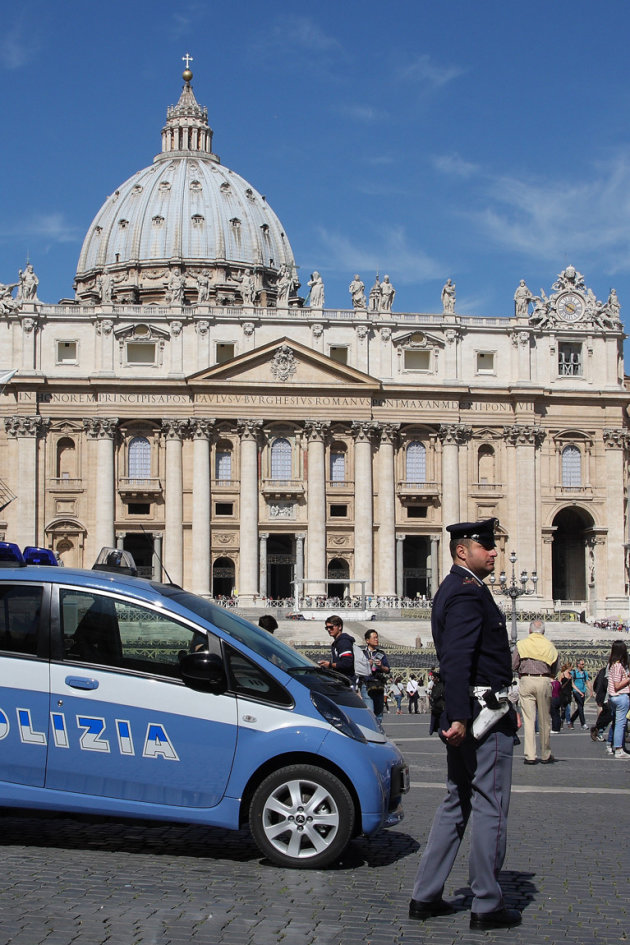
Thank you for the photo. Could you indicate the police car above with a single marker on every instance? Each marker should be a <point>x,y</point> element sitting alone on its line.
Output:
<point>127,697</point>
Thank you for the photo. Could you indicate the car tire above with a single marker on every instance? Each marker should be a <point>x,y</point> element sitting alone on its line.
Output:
<point>302,816</point>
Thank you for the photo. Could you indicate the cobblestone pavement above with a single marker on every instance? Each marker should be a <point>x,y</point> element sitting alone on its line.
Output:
<point>97,881</point>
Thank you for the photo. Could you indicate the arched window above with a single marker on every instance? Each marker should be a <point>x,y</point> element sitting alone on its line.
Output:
<point>337,465</point>
<point>281,459</point>
<point>571,466</point>
<point>485,461</point>
<point>416,462</point>
<point>223,465</point>
<point>139,458</point>
<point>66,459</point>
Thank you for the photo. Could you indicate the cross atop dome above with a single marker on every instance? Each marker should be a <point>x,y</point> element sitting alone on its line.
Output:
<point>187,73</point>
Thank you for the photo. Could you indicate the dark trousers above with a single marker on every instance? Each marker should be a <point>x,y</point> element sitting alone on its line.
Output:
<point>579,701</point>
<point>413,703</point>
<point>556,722</point>
<point>604,718</point>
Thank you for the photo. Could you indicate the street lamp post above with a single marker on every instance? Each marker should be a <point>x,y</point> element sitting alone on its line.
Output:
<point>515,589</point>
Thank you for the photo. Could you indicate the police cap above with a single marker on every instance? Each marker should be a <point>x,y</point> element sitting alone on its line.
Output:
<point>481,532</point>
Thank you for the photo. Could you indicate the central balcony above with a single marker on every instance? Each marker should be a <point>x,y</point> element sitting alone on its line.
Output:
<point>282,487</point>
<point>140,488</point>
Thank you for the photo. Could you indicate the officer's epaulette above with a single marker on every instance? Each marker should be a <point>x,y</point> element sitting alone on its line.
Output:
<point>469,580</point>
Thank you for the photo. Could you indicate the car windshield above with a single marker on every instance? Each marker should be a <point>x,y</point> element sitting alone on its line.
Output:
<point>260,641</point>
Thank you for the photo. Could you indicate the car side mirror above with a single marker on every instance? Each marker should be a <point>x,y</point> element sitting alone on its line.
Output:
<point>204,671</point>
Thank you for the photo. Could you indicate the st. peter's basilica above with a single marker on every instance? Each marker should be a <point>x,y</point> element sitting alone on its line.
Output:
<point>197,406</point>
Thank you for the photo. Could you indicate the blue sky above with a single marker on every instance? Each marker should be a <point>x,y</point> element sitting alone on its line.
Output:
<point>480,140</point>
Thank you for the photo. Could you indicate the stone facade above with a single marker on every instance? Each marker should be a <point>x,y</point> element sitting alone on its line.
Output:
<point>234,438</point>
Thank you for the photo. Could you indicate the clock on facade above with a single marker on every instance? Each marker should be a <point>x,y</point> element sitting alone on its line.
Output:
<point>570,307</point>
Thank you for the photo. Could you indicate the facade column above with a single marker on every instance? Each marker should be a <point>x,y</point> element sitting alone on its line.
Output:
<point>174,432</point>
<point>299,560</point>
<point>156,563</point>
<point>362,430</point>
<point>435,566</point>
<point>386,573</point>
<point>526,439</point>
<point>452,435</point>
<point>103,431</point>
<point>262,559</point>
<point>400,574</point>
<point>614,442</point>
<point>26,430</point>
<point>248,561</point>
<point>316,431</point>
<point>201,431</point>
<point>105,331</point>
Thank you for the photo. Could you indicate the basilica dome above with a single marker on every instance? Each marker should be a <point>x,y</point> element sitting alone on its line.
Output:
<point>186,218</point>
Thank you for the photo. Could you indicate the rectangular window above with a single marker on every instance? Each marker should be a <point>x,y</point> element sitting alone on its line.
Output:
<point>417,360</point>
<point>485,362</point>
<point>224,351</point>
<point>224,466</point>
<point>67,352</point>
<point>416,511</point>
<point>139,508</point>
<point>338,511</point>
<point>224,508</point>
<point>140,352</point>
<point>338,353</point>
<point>569,359</point>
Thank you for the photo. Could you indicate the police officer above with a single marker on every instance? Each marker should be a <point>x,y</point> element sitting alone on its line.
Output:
<point>472,647</point>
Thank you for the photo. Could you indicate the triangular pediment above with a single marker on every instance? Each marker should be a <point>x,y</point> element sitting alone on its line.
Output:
<point>282,364</point>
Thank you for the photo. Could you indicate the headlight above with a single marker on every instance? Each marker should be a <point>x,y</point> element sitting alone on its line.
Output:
<point>336,716</point>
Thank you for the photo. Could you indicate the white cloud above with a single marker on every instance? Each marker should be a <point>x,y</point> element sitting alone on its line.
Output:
<point>454,165</point>
<point>427,72</point>
<point>387,252</point>
<point>361,113</point>
<point>17,44</point>
<point>52,227</point>
<point>293,35</point>
<point>554,218</point>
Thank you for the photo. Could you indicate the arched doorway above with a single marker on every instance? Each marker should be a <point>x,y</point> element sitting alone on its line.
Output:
<point>416,566</point>
<point>223,577</point>
<point>280,566</point>
<point>339,570</point>
<point>568,557</point>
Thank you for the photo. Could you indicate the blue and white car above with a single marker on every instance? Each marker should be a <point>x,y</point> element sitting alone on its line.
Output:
<point>125,697</point>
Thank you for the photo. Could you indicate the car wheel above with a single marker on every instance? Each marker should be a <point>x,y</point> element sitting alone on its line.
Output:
<point>302,816</point>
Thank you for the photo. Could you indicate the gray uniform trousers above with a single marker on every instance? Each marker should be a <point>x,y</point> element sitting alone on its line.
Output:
<point>478,783</point>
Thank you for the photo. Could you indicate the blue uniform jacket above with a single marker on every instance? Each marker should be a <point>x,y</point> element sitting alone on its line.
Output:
<point>470,640</point>
<point>342,654</point>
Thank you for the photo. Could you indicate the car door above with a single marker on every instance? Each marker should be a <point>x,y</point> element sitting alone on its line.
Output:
<point>24,694</point>
<point>122,724</point>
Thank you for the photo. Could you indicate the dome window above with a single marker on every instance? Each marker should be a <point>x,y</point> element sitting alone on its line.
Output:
<point>165,187</point>
<point>225,188</point>
<point>236,223</point>
<point>98,230</point>
<point>158,220</point>
<point>123,224</point>
<point>197,219</point>
<point>195,185</point>
<point>249,193</point>
<point>136,190</point>
<point>265,229</point>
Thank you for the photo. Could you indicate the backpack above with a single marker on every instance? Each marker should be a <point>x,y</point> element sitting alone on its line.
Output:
<point>361,662</point>
<point>600,686</point>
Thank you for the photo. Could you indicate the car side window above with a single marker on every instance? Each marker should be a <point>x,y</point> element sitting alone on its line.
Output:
<point>113,632</point>
<point>20,610</point>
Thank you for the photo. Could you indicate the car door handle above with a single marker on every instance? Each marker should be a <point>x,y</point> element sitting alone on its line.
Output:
<point>81,682</point>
